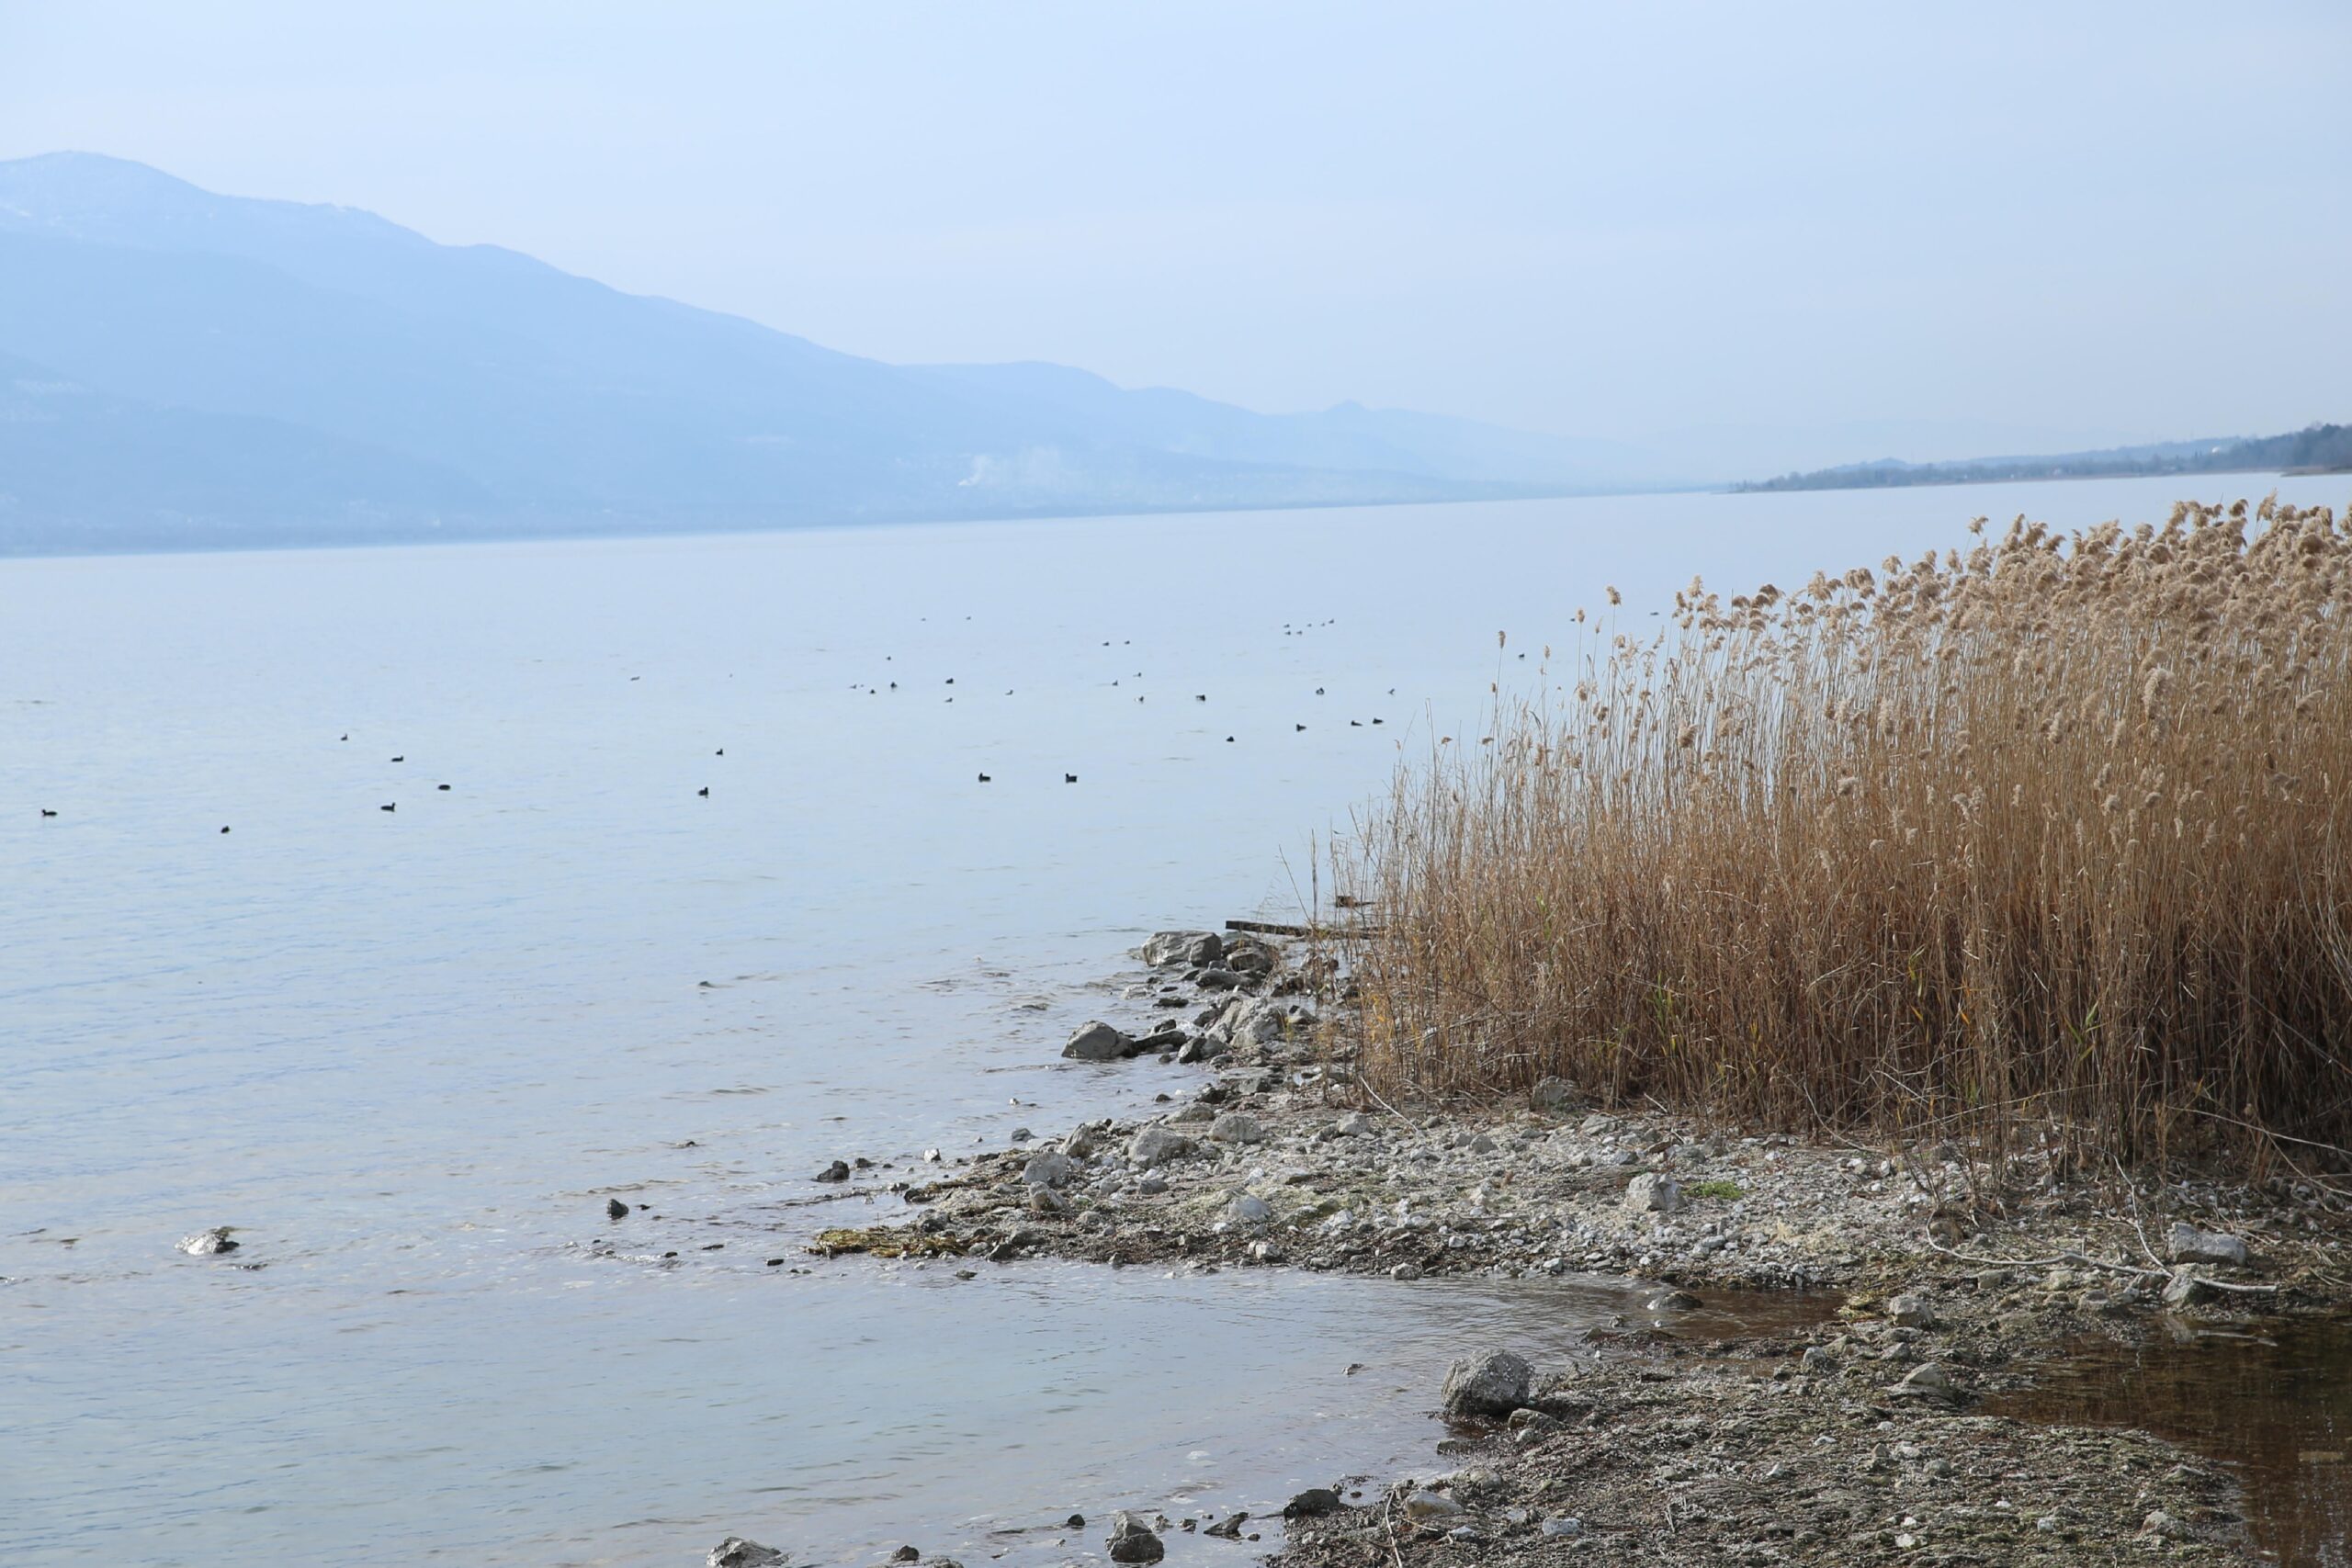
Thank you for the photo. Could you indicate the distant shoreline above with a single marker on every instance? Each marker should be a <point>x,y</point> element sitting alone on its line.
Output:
<point>2317,449</point>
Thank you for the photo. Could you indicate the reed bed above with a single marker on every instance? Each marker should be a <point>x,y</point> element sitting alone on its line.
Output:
<point>2052,832</point>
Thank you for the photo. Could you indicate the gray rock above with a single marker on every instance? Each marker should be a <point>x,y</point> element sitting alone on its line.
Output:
<point>2185,1290</point>
<point>1817,1358</point>
<point>1045,1202</point>
<point>1216,979</point>
<point>837,1171</point>
<point>1097,1041</point>
<point>1561,1526</point>
<point>1494,1384</point>
<point>1313,1502</point>
<point>205,1244</point>
<point>1432,1506</point>
<point>1238,1127</point>
<point>1554,1097</point>
<point>1249,1209</point>
<point>736,1553</point>
<point>1673,1300</point>
<point>2189,1245</point>
<point>1200,1048</point>
<point>1927,1381</point>
<point>1132,1540</point>
<point>1911,1310</point>
<point>1261,1021</point>
<point>1157,1145</point>
<point>1653,1192</point>
<point>1406,1273</point>
<point>1355,1124</point>
<point>1183,947</point>
<point>1047,1169</point>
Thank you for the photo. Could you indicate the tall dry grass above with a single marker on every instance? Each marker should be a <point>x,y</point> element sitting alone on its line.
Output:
<point>2053,829</point>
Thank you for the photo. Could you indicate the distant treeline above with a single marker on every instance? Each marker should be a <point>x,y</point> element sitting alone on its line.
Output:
<point>2320,448</point>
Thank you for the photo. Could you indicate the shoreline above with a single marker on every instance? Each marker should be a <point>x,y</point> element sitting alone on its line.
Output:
<point>1867,1427</point>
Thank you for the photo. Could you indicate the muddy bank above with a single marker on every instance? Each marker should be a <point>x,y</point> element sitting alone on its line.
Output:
<point>1869,1434</point>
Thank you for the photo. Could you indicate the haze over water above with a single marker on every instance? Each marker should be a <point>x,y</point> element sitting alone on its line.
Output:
<point>410,1053</point>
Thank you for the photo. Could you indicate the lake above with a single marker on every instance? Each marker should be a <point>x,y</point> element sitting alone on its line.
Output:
<point>412,1054</point>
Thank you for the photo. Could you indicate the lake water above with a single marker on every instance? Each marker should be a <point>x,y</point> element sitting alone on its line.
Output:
<point>410,1053</point>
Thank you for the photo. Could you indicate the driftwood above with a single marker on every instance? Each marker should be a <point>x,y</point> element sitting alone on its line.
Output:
<point>1276,928</point>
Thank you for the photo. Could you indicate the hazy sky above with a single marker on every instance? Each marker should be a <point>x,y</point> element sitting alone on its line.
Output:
<point>2132,220</point>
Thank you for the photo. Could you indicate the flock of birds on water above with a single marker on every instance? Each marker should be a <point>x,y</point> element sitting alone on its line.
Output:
<point>1067,778</point>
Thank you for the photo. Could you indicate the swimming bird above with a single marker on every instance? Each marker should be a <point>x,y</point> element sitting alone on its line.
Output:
<point>45,811</point>
<point>721,753</point>
<point>441,786</point>
<point>1070,778</point>
<point>402,758</point>
<point>616,1210</point>
<point>225,826</point>
<point>1302,727</point>
<point>1200,696</point>
<point>343,737</point>
<point>705,790</point>
<point>1318,691</point>
<point>395,805</point>
<point>984,778</point>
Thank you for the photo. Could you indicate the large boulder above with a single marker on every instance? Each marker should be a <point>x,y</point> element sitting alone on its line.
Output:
<point>1249,1209</point>
<point>1097,1041</point>
<point>2190,1245</point>
<point>1653,1192</point>
<point>1261,1021</point>
<point>1190,947</point>
<point>1132,1540</point>
<point>1238,1127</point>
<point>1554,1097</point>
<point>1047,1169</point>
<point>736,1553</point>
<point>1494,1384</point>
<point>1156,1145</point>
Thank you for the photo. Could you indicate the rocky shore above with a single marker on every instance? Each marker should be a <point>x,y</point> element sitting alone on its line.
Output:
<point>1925,1287</point>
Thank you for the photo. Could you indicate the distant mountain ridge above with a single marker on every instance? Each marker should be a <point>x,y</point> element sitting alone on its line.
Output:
<point>180,368</point>
<point>2318,449</point>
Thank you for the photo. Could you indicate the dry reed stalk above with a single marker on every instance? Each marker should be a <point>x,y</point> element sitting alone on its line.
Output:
<point>2051,830</point>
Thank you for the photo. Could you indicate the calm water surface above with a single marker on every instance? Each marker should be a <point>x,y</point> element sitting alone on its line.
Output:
<point>410,1053</point>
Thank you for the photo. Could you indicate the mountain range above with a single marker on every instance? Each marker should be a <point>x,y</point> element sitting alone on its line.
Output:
<point>181,368</point>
